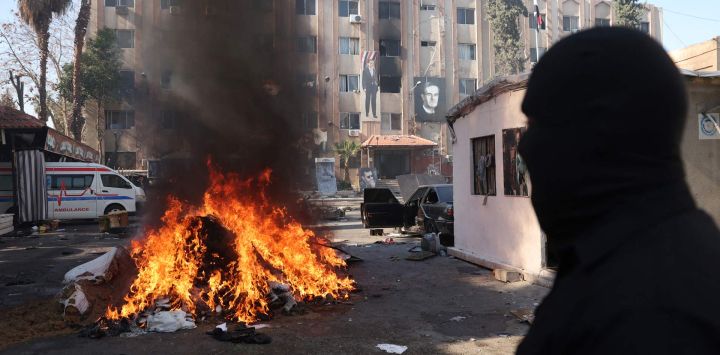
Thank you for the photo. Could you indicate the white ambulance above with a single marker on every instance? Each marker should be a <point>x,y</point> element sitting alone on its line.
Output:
<point>79,191</point>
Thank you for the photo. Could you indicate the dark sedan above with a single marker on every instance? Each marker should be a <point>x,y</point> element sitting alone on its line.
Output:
<point>430,206</point>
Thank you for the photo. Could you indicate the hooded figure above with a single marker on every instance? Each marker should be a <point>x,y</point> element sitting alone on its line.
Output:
<point>637,260</point>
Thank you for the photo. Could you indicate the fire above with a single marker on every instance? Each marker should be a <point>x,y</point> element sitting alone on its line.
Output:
<point>179,262</point>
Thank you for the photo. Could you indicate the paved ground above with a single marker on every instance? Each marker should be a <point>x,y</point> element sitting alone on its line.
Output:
<point>438,306</point>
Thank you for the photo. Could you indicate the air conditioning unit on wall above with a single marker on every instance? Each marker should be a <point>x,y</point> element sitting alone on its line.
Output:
<point>354,133</point>
<point>121,10</point>
<point>355,18</point>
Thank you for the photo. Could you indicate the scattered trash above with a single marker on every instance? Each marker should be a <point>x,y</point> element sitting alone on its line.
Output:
<point>503,335</point>
<point>260,326</point>
<point>169,321</point>
<point>392,348</point>
<point>525,315</point>
<point>222,326</point>
<point>241,334</point>
<point>457,319</point>
<point>420,256</point>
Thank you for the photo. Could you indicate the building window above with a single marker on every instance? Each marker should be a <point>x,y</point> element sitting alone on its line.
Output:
<point>69,182</point>
<point>466,51</point>
<point>427,43</point>
<point>533,54</point>
<point>389,10</point>
<point>165,78</point>
<point>391,122</point>
<point>347,8</point>
<point>484,165</point>
<point>390,84</point>
<point>468,86</point>
<point>533,22</point>
<point>119,119</point>
<point>125,38</point>
<point>118,160</point>
<point>389,48</point>
<point>264,6</point>
<point>349,120</point>
<point>570,23</point>
<point>127,80</point>
<point>307,44</point>
<point>116,3</point>
<point>427,7</point>
<point>349,45</point>
<point>305,7</point>
<point>168,119</point>
<point>349,83</point>
<point>309,120</point>
<point>166,4</point>
<point>465,16</point>
<point>645,27</point>
<point>602,22</point>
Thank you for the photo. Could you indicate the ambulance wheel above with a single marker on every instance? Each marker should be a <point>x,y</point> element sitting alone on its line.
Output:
<point>114,208</point>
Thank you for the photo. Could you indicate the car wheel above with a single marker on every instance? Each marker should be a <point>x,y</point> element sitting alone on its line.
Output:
<point>114,208</point>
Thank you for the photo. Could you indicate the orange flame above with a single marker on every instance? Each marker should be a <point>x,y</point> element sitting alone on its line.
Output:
<point>268,245</point>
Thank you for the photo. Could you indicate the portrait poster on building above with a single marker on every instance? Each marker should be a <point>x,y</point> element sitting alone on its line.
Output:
<point>430,99</point>
<point>370,86</point>
<point>367,178</point>
<point>325,176</point>
<point>709,125</point>
<point>514,169</point>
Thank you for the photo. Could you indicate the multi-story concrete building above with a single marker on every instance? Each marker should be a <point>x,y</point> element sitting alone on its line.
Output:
<point>701,56</point>
<point>373,67</point>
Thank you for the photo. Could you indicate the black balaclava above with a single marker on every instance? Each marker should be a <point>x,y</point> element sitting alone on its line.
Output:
<point>606,110</point>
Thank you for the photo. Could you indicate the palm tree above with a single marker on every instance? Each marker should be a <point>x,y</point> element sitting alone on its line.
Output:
<point>77,122</point>
<point>38,14</point>
<point>346,150</point>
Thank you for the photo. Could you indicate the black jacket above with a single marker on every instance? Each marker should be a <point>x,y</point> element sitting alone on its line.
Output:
<point>637,261</point>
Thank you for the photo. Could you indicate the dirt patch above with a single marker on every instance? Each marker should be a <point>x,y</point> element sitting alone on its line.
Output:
<point>38,319</point>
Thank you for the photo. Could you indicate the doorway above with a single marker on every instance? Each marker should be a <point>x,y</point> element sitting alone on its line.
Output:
<point>391,163</point>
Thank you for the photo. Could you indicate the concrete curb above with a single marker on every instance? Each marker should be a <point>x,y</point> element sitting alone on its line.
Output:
<point>543,278</point>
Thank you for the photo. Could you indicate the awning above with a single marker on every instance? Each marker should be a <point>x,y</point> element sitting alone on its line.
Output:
<point>397,141</point>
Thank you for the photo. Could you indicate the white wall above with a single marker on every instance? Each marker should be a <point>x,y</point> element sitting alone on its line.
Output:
<point>505,230</point>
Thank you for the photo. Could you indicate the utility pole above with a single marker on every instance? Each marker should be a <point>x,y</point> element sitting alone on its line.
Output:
<point>19,89</point>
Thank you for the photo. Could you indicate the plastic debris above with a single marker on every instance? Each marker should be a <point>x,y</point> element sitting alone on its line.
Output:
<point>392,348</point>
<point>222,326</point>
<point>457,319</point>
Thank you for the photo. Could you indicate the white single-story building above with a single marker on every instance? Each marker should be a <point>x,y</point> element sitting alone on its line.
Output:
<point>495,224</point>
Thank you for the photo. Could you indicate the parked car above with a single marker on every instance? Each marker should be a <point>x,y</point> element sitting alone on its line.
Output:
<point>430,207</point>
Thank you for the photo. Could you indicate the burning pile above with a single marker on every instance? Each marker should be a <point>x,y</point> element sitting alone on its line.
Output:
<point>229,253</point>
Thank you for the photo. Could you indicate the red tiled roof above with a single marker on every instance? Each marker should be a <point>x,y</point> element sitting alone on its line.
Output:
<point>12,118</point>
<point>397,141</point>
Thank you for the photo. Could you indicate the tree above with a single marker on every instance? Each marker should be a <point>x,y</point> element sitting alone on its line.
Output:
<point>20,53</point>
<point>100,78</point>
<point>347,150</point>
<point>38,14</point>
<point>77,123</point>
<point>503,16</point>
<point>628,13</point>
<point>6,99</point>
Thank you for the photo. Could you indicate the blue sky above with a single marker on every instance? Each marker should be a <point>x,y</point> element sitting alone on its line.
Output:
<point>678,17</point>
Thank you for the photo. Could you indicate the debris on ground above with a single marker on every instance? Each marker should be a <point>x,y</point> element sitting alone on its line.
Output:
<point>242,334</point>
<point>457,319</point>
<point>169,321</point>
<point>507,275</point>
<point>392,348</point>
<point>526,315</point>
<point>419,256</point>
<point>389,241</point>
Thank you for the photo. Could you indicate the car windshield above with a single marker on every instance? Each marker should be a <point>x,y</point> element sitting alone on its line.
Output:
<point>444,193</point>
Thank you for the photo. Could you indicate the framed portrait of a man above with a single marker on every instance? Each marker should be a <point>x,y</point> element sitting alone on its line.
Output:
<point>430,99</point>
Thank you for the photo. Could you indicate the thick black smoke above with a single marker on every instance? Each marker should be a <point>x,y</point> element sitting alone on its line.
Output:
<point>235,89</point>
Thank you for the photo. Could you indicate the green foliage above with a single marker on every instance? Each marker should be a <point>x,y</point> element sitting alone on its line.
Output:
<point>628,13</point>
<point>504,18</point>
<point>345,151</point>
<point>101,80</point>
